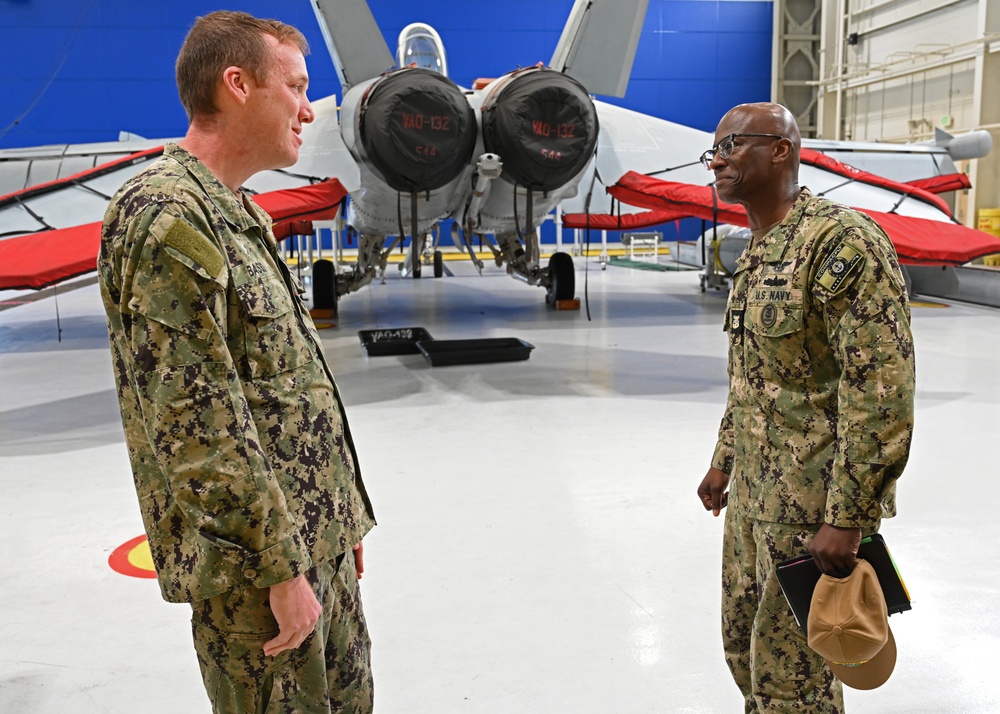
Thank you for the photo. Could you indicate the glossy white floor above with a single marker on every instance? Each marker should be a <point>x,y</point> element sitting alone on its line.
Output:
<point>540,547</point>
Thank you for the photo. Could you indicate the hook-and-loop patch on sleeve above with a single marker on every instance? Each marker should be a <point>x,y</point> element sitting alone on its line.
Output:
<point>184,238</point>
<point>845,262</point>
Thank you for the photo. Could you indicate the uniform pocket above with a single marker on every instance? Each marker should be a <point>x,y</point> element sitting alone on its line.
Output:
<point>774,344</point>
<point>237,655</point>
<point>774,320</point>
<point>275,340</point>
<point>230,630</point>
<point>864,451</point>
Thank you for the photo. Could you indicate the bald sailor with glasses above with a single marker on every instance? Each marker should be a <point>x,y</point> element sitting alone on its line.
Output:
<point>819,419</point>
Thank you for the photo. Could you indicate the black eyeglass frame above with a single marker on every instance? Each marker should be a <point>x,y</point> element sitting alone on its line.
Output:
<point>708,156</point>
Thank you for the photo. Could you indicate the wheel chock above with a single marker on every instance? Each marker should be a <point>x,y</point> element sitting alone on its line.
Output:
<point>571,304</point>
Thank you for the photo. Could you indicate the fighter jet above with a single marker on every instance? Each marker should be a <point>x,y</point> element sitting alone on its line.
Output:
<point>497,157</point>
<point>500,156</point>
<point>412,149</point>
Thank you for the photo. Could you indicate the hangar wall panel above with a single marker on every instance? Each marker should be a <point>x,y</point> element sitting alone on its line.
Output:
<point>896,70</point>
<point>900,27</point>
<point>903,67</point>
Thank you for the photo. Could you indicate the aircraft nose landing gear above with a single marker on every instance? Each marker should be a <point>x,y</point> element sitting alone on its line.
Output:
<point>562,280</point>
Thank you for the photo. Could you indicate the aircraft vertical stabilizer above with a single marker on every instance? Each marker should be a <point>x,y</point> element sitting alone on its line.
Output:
<point>598,44</point>
<point>356,44</point>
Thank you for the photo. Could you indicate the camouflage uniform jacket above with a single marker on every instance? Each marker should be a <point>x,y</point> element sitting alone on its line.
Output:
<point>821,371</point>
<point>242,458</point>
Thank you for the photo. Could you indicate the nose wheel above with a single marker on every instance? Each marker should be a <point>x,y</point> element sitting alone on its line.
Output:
<point>562,277</point>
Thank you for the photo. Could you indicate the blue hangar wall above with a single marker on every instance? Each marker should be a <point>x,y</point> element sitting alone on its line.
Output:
<point>84,70</point>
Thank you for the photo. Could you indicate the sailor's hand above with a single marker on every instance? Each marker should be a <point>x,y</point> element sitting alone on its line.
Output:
<point>835,549</point>
<point>359,559</point>
<point>297,610</point>
<point>712,491</point>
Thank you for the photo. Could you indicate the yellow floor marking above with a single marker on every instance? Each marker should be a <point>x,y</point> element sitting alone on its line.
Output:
<point>924,303</point>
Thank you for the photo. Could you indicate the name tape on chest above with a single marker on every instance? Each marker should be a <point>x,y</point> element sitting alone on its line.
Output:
<point>844,263</point>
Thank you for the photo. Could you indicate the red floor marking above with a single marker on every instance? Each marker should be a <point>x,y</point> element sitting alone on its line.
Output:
<point>133,559</point>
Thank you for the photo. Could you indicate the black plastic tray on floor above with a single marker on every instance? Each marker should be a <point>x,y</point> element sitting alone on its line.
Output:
<point>443,353</point>
<point>396,341</point>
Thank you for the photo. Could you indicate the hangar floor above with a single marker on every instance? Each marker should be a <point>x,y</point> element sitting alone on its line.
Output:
<point>540,547</point>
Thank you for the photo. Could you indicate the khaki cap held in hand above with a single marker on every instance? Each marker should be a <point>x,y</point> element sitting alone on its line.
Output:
<point>849,627</point>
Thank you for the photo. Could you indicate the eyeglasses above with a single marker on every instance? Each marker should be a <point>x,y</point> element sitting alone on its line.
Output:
<point>725,148</point>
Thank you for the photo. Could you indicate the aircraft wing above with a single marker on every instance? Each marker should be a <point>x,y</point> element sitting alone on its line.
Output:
<point>908,162</point>
<point>49,228</point>
<point>37,257</point>
<point>631,141</point>
<point>649,163</point>
<point>902,162</point>
<point>82,197</point>
<point>598,44</point>
<point>34,165</point>
<point>68,200</point>
<point>918,240</point>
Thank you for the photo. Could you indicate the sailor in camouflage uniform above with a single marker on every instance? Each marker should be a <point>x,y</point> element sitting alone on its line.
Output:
<point>819,420</point>
<point>243,462</point>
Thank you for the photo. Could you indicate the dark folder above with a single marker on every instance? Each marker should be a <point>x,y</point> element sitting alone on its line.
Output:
<point>798,578</point>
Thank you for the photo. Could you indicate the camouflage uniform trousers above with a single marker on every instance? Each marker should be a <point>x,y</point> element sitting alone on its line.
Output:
<point>765,648</point>
<point>330,672</point>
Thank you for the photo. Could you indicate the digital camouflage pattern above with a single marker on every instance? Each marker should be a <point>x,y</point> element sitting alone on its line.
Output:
<point>766,651</point>
<point>329,673</point>
<point>817,428</point>
<point>821,371</point>
<point>242,458</point>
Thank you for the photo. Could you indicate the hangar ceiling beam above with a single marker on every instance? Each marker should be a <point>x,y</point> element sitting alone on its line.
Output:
<point>795,68</point>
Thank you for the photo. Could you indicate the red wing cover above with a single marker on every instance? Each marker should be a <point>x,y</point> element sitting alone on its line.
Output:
<point>667,201</point>
<point>942,184</point>
<point>37,260</point>
<point>918,241</point>
<point>317,202</point>
<point>828,163</point>
<point>623,222</point>
<point>294,209</point>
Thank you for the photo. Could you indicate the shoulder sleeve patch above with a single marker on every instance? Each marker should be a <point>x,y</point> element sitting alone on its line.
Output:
<point>185,239</point>
<point>845,262</point>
